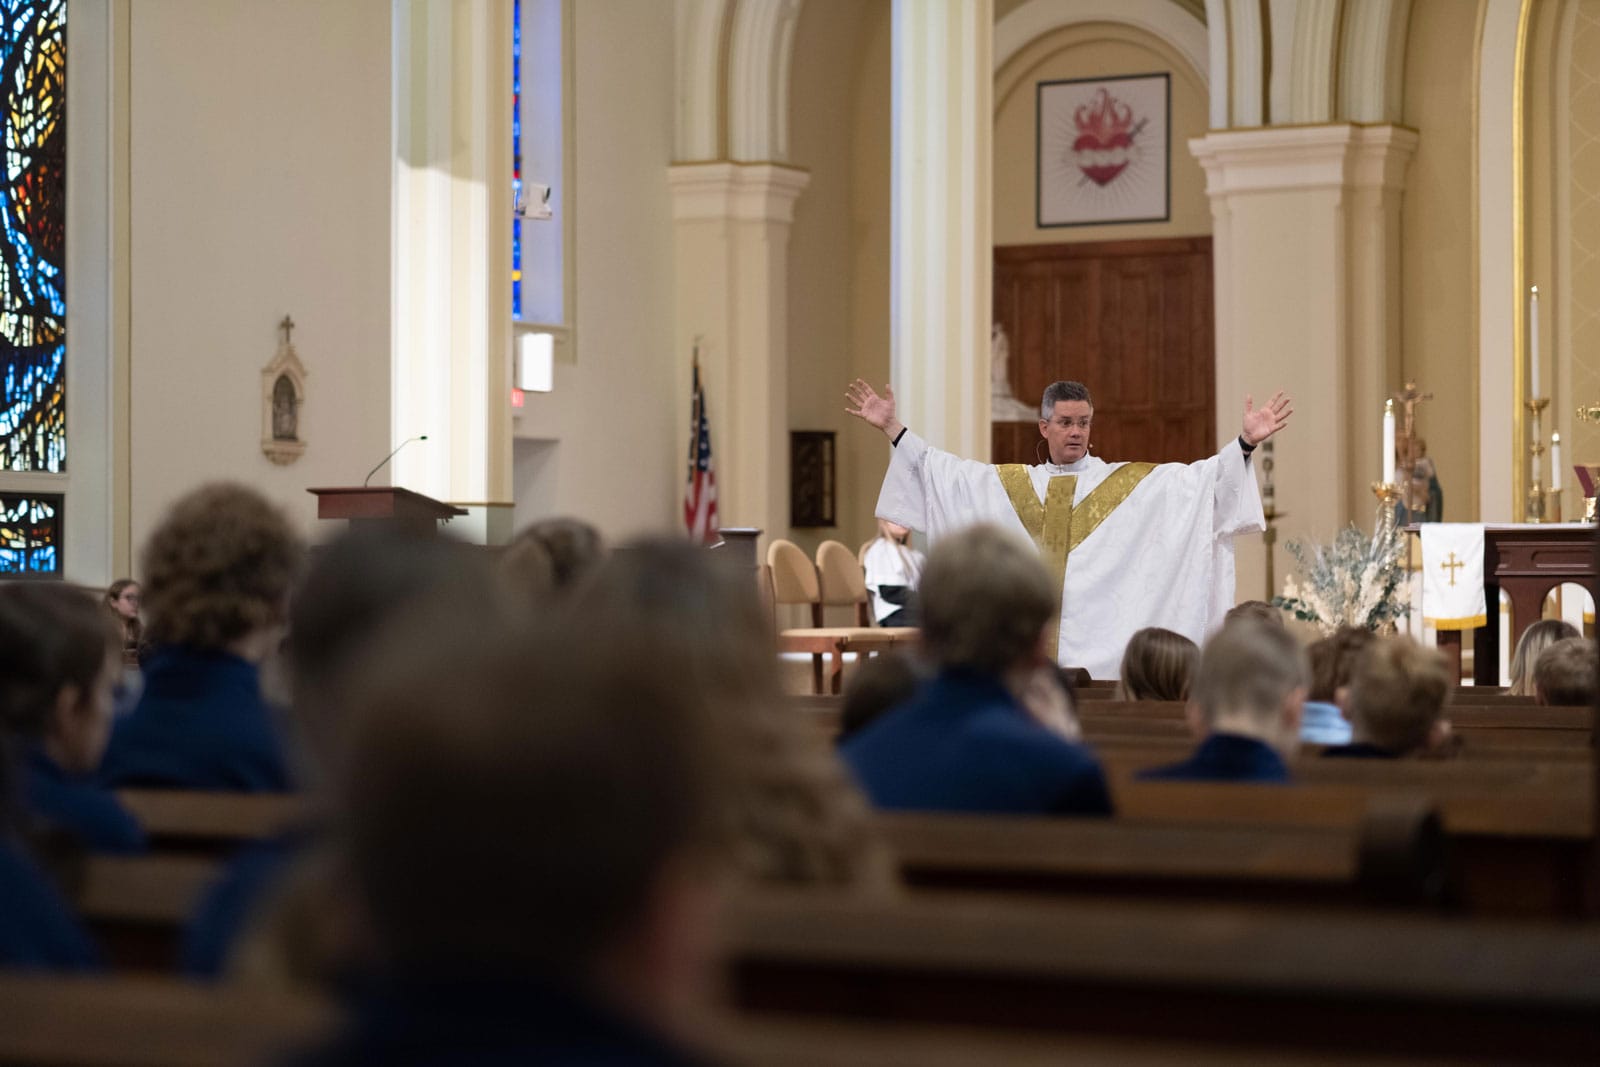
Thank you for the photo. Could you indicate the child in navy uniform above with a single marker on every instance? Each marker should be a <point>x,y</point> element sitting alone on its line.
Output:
<point>1246,705</point>
<point>968,740</point>
<point>217,576</point>
<point>37,928</point>
<point>61,659</point>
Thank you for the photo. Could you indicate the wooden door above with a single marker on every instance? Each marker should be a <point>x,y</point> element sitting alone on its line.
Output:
<point>1129,319</point>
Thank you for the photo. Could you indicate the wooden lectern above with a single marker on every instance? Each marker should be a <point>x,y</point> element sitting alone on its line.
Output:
<point>383,504</point>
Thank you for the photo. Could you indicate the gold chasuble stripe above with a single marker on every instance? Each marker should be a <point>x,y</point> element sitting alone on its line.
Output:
<point>1057,526</point>
<point>1019,487</point>
<point>1106,498</point>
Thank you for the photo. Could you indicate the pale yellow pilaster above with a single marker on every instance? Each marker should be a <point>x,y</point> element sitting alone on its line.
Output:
<point>1307,259</point>
<point>732,275</point>
<point>942,265</point>
<point>452,310</point>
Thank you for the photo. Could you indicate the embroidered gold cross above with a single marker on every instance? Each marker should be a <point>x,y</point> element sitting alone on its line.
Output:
<point>1452,565</point>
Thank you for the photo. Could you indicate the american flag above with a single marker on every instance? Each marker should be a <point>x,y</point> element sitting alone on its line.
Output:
<point>700,499</point>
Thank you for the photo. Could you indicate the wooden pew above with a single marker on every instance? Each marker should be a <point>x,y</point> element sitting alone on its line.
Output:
<point>49,1021</point>
<point>1387,854</point>
<point>52,1021</point>
<point>1515,849</point>
<point>211,823</point>
<point>1258,978</point>
<point>1482,732</point>
<point>135,906</point>
<point>769,1039</point>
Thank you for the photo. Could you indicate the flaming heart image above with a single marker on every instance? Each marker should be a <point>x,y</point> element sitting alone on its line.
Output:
<point>1106,131</point>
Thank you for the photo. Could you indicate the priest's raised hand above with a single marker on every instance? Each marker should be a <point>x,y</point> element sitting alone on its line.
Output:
<point>864,403</point>
<point>1262,422</point>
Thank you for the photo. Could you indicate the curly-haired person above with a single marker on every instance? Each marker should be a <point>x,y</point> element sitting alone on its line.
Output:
<point>217,573</point>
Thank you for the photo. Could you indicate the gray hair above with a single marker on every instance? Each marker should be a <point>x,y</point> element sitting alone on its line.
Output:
<point>1056,392</point>
<point>1249,668</point>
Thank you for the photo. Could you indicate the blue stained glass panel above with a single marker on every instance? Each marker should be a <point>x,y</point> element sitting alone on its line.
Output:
<point>33,306</point>
<point>30,534</point>
<point>516,156</point>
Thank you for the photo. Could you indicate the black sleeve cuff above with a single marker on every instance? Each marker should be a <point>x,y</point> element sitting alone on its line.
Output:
<point>902,433</point>
<point>1245,446</point>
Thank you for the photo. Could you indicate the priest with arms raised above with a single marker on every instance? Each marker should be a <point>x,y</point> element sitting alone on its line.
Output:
<point>1134,544</point>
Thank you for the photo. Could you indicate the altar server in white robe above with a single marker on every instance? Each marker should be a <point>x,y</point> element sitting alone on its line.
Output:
<point>1134,544</point>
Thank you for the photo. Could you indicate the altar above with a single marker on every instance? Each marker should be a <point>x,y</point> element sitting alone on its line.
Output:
<point>1527,560</point>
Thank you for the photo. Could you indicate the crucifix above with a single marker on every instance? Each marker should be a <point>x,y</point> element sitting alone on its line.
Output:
<point>1452,565</point>
<point>1409,398</point>
<point>287,326</point>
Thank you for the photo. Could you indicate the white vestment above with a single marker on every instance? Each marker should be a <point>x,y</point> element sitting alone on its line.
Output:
<point>1163,556</point>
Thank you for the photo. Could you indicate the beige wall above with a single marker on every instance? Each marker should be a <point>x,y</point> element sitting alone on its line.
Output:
<point>1439,339</point>
<point>602,445</point>
<point>260,142</point>
<point>838,255</point>
<point>1086,51</point>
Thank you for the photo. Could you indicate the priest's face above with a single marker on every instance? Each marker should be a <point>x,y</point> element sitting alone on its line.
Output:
<point>1067,430</point>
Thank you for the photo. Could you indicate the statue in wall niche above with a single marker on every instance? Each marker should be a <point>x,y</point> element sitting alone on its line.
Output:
<point>1003,404</point>
<point>283,395</point>
<point>285,411</point>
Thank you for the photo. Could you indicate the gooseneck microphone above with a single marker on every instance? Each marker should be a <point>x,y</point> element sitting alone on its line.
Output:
<point>391,455</point>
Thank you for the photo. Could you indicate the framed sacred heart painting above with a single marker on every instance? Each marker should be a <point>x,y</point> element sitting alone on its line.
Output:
<point>1104,147</point>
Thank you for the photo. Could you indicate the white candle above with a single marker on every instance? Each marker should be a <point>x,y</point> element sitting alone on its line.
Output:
<point>1555,462</point>
<point>1533,341</point>
<point>1388,442</point>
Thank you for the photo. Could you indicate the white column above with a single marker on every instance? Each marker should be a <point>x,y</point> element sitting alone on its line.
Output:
<point>1306,251</point>
<point>452,299</point>
<point>943,256</point>
<point>732,271</point>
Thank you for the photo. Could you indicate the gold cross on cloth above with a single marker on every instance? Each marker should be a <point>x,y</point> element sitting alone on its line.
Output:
<point>1452,565</point>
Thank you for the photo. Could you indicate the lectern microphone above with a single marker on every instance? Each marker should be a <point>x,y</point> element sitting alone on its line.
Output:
<point>391,455</point>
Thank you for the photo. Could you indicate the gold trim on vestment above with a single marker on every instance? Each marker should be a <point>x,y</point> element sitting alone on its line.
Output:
<point>1058,526</point>
<point>1059,523</point>
<point>1024,501</point>
<point>1104,499</point>
<point>1468,622</point>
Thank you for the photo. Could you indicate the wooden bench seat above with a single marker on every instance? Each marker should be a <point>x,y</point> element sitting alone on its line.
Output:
<point>1523,850</point>
<point>1258,977</point>
<point>50,1021</point>
<point>135,906</point>
<point>140,1021</point>
<point>179,819</point>
<point>1387,855</point>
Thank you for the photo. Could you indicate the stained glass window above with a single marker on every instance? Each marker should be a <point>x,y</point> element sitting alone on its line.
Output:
<point>30,534</point>
<point>516,157</point>
<point>33,307</point>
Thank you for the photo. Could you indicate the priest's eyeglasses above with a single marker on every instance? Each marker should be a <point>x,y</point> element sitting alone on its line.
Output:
<point>1064,422</point>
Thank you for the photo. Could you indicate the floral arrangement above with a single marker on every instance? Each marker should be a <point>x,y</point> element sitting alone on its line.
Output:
<point>1356,581</point>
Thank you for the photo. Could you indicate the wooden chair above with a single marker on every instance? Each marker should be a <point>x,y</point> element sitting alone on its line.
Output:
<point>794,581</point>
<point>843,584</point>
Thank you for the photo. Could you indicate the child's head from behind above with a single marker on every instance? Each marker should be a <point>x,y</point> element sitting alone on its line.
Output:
<point>1398,695</point>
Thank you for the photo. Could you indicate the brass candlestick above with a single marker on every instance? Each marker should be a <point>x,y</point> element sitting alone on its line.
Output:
<point>1536,492</point>
<point>1387,493</point>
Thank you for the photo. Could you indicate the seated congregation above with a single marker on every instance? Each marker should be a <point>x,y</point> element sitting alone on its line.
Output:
<point>531,780</point>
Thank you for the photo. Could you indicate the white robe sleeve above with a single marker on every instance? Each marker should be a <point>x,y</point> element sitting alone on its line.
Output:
<point>1237,501</point>
<point>930,490</point>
